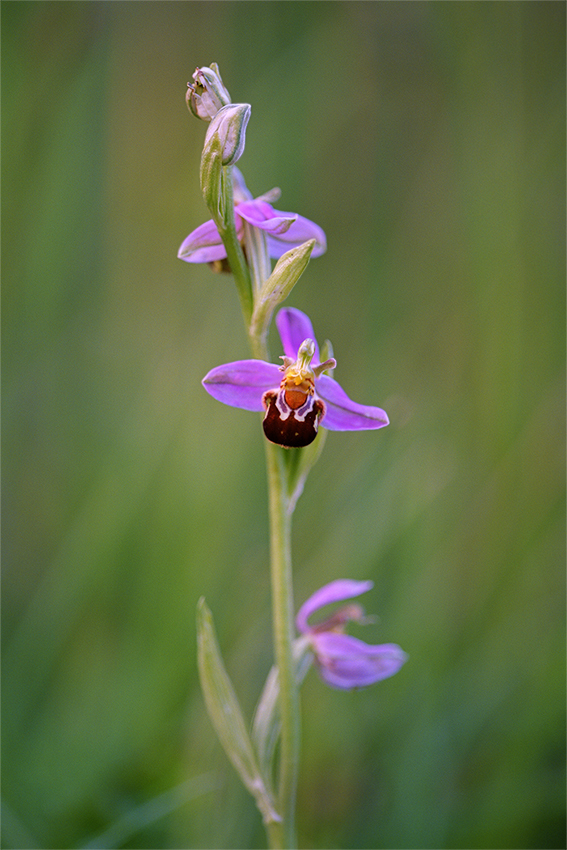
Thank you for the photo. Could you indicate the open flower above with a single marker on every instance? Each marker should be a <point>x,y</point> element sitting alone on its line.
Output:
<point>297,401</point>
<point>344,661</point>
<point>284,230</point>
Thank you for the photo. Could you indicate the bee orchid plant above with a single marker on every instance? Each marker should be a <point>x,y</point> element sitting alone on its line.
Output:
<point>298,398</point>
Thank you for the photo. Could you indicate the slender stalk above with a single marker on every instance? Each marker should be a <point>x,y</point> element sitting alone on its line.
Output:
<point>275,833</point>
<point>257,255</point>
<point>276,836</point>
<point>281,836</point>
<point>234,252</point>
<point>282,607</point>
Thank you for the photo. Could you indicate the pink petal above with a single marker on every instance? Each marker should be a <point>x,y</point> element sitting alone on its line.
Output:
<point>294,327</point>
<point>342,413</point>
<point>242,383</point>
<point>336,591</point>
<point>203,245</point>
<point>302,230</point>
<point>346,662</point>
<point>262,215</point>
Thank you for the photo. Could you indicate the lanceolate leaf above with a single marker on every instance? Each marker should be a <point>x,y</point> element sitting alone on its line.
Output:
<point>226,715</point>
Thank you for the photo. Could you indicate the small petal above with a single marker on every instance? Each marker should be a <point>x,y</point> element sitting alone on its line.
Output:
<point>203,245</point>
<point>271,196</point>
<point>302,230</point>
<point>346,662</point>
<point>242,383</point>
<point>261,214</point>
<point>343,414</point>
<point>336,591</point>
<point>294,327</point>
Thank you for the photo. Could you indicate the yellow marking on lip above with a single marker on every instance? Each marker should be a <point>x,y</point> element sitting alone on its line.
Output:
<point>300,383</point>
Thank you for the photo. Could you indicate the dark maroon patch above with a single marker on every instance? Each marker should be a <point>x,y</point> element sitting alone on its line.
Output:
<point>291,433</point>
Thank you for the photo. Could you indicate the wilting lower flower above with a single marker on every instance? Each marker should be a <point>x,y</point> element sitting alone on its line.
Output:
<point>298,401</point>
<point>344,661</point>
<point>284,230</point>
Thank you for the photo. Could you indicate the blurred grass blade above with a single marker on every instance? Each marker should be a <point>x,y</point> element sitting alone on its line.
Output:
<point>267,720</point>
<point>226,715</point>
<point>14,832</point>
<point>140,817</point>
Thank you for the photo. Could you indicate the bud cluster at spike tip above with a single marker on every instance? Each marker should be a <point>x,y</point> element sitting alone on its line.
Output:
<point>208,94</point>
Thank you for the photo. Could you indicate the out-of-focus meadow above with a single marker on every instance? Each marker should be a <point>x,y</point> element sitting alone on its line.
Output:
<point>427,139</point>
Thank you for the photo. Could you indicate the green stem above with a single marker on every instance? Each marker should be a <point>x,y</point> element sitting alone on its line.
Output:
<point>282,606</point>
<point>276,836</point>
<point>257,255</point>
<point>234,252</point>
<point>281,836</point>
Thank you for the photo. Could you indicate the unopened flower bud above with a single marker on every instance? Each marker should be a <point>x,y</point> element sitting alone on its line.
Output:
<point>208,94</point>
<point>229,128</point>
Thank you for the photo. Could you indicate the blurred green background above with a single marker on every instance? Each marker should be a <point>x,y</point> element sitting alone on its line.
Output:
<point>427,139</point>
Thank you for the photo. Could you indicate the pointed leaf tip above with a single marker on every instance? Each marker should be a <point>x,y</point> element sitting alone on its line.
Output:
<point>226,715</point>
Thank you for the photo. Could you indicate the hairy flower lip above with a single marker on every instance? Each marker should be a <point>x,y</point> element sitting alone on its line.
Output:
<point>344,662</point>
<point>243,383</point>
